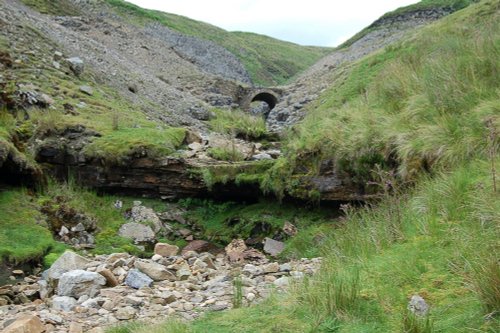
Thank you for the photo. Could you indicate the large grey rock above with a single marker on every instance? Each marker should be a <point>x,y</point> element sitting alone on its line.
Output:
<point>273,247</point>
<point>87,90</point>
<point>418,306</point>
<point>140,233</point>
<point>69,261</point>
<point>145,215</point>
<point>63,303</point>
<point>76,65</point>
<point>155,271</point>
<point>135,279</point>
<point>78,283</point>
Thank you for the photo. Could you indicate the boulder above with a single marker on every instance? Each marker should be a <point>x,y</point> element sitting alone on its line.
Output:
<point>78,283</point>
<point>273,247</point>
<point>235,250</point>
<point>166,250</point>
<point>140,233</point>
<point>76,65</point>
<point>282,282</point>
<point>418,306</point>
<point>126,313</point>
<point>25,324</point>
<point>88,90</point>
<point>63,303</point>
<point>155,271</point>
<point>145,215</point>
<point>69,261</point>
<point>135,279</point>
<point>198,246</point>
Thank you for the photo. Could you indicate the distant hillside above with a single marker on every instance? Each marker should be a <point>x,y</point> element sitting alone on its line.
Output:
<point>425,5</point>
<point>268,60</point>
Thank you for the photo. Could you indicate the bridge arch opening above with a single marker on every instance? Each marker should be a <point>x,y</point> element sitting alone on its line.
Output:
<point>266,97</point>
<point>262,103</point>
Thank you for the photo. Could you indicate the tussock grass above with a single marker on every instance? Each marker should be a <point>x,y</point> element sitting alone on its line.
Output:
<point>486,283</point>
<point>238,123</point>
<point>225,154</point>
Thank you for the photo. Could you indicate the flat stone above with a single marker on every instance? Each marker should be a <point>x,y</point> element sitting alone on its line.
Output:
<point>155,271</point>
<point>75,328</point>
<point>140,233</point>
<point>126,313</point>
<point>79,282</point>
<point>198,246</point>
<point>69,261</point>
<point>135,279</point>
<point>63,303</point>
<point>273,267</point>
<point>166,250</point>
<point>283,281</point>
<point>88,90</point>
<point>25,324</point>
<point>273,247</point>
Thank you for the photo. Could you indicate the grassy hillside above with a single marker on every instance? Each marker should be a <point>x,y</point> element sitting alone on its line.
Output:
<point>425,112</point>
<point>269,61</point>
<point>451,5</point>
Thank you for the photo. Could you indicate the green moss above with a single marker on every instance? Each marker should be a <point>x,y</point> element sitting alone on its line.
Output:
<point>23,236</point>
<point>119,145</point>
<point>223,222</point>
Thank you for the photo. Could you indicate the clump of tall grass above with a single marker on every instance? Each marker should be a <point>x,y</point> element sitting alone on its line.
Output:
<point>486,284</point>
<point>333,293</point>
<point>415,324</point>
<point>238,123</point>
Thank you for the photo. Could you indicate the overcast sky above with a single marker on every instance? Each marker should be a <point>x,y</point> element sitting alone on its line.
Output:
<point>306,22</point>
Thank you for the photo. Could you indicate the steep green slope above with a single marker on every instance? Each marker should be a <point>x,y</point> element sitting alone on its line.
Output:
<point>425,112</point>
<point>269,61</point>
<point>449,5</point>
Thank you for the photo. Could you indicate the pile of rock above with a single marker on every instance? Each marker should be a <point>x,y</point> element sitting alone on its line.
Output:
<point>80,294</point>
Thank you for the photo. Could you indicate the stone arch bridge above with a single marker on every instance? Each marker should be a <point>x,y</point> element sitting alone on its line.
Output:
<point>271,96</point>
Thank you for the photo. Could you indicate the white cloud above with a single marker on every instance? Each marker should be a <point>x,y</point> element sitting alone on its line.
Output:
<point>312,22</point>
